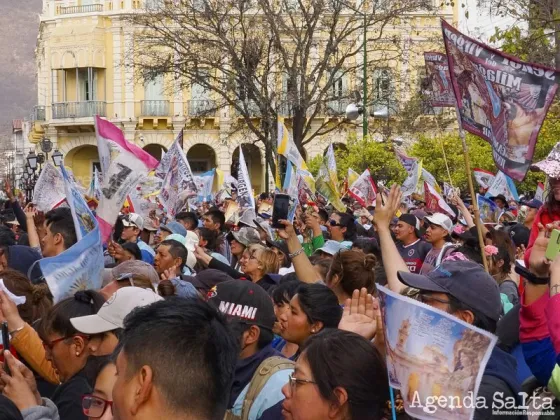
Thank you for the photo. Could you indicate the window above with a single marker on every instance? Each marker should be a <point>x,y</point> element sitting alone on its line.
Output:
<point>87,84</point>
<point>383,95</point>
<point>153,89</point>
<point>198,91</point>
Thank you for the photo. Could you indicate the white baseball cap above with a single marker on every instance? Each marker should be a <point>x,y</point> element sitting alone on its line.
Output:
<point>133,219</point>
<point>112,313</point>
<point>441,220</point>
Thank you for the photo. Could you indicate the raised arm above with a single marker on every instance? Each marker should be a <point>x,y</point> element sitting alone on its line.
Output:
<point>302,266</point>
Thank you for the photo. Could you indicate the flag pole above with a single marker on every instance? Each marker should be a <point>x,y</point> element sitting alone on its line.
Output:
<point>443,150</point>
<point>476,210</point>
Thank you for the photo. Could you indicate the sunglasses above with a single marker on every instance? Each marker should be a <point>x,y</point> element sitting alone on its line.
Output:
<point>49,345</point>
<point>334,223</point>
<point>95,407</point>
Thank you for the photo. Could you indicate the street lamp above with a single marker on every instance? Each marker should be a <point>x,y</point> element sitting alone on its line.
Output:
<point>57,158</point>
<point>40,158</point>
<point>46,146</point>
<point>32,161</point>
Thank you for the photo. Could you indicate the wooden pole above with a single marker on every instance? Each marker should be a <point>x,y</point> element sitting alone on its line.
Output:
<point>477,220</point>
<point>443,149</point>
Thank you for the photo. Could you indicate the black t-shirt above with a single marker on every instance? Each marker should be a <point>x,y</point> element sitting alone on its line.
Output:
<point>414,254</point>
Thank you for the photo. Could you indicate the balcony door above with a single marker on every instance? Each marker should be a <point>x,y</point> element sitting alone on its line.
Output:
<point>87,84</point>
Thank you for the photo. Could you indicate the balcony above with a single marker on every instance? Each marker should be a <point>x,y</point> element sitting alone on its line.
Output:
<point>88,8</point>
<point>154,108</point>
<point>251,107</point>
<point>38,113</point>
<point>87,109</point>
<point>201,108</point>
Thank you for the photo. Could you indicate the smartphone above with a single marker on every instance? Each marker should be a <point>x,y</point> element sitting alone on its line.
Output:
<point>553,245</point>
<point>5,344</point>
<point>280,209</point>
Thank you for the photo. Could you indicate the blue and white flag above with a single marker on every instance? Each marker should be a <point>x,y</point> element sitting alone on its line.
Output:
<point>204,184</point>
<point>79,267</point>
<point>504,185</point>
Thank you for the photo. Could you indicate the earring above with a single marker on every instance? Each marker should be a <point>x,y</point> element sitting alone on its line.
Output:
<point>77,354</point>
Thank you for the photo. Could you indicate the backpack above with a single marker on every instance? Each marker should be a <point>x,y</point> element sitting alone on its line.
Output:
<point>266,369</point>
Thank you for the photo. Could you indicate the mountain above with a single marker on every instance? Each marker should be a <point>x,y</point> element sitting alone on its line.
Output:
<point>19,26</point>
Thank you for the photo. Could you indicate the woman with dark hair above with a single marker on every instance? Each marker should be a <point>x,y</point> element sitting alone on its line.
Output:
<point>281,297</point>
<point>342,228</point>
<point>99,404</point>
<point>338,375</point>
<point>313,308</point>
<point>351,270</point>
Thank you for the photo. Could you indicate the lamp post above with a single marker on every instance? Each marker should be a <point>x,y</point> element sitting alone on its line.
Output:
<point>40,161</point>
<point>46,147</point>
<point>57,158</point>
<point>32,161</point>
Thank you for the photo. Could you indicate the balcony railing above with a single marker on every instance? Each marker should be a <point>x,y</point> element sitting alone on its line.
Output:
<point>251,107</point>
<point>39,113</point>
<point>87,8</point>
<point>201,108</point>
<point>78,109</point>
<point>154,108</point>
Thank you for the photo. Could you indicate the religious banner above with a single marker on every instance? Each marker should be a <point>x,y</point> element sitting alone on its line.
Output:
<point>410,183</point>
<point>204,184</point>
<point>287,147</point>
<point>305,187</point>
<point>488,209</point>
<point>503,185</point>
<point>165,163</point>
<point>435,359</point>
<point>123,164</point>
<point>499,98</point>
<point>435,203</point>
<point>49,189</point>
<point>244,190</point>
<point>79,267</point>
<point>363,190</point>
<point>483,178</point>
<point>437,85</point>
<point>407,162</point>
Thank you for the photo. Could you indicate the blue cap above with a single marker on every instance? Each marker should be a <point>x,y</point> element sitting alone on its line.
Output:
<point>175,227</point>
<point>534,204</point>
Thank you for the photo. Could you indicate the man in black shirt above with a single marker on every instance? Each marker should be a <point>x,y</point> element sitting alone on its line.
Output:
<point>413,250</point>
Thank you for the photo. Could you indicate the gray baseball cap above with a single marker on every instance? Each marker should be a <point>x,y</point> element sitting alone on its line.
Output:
<point>245,236</point>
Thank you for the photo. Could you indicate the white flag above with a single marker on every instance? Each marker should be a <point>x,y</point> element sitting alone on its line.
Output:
<point>244,190</point>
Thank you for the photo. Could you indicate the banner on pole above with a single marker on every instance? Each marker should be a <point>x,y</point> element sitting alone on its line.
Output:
<point>499,98</point>
<point>363,189</point>
<point>437,84</point>
<point>504,185</point>
<point>435,202</point>
<point>288,148</point>
<point>244,190</point>
<point>49,190</point>
<point>483,178</point>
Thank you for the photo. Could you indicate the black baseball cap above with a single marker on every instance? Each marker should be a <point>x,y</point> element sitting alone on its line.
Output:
<point>282,247</point>
<point>466,281</point>
<point>207,279</point>
<point>244,301</point>
<point>413,221</point>
<point>519,234</point>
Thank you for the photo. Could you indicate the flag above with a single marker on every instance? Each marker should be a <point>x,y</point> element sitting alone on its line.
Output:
<point>49,189</point>
<point>123,164</point>
<point>499,98</point>
<point>434,201</point>
<point>504,185</point>
<point>487,208</point>
<point>363,189</point>
<point>352,176</point>
<point>287,147</point>
<point>80,266</point>
<point>244,190</point>
<point>204,184</point>
<point>410,183</point>
<point>406,161</point>
<point>291,181</point>
<point>327,180</point>
<point>94,186</point>
<point>178,180</point>
<point>430,179</point>
<point>437,85</point>
<point>539,194</point>
<point>448,190</point>
<point>483,178</point>
<point>305,186</point>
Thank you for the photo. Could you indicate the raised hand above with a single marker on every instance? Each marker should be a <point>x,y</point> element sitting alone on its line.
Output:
<point>360,314</point>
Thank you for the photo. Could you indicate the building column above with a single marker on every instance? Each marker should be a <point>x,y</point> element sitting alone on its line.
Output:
<point>128,74</point>
<point>117,71</point>
<point>129,131</point>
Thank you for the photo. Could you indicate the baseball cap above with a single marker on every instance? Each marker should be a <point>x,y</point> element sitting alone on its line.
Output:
<point>331,247</point>
<point>135,267</point>
<point>534,203</point>
<point>111,315</point>
<point>208,278</point>
<point>519,234</point>
<point>245,236</point>
<point>243,301</point>
<point>413,221</point>
<point>441,220</point>
<point>283,248</point>
<point>133,219</point>
<point>151,224</point>
<point>263,225</point>
<point>466,281</point>
<point>174,227</point>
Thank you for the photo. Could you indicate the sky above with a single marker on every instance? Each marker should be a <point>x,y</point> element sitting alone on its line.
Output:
<point>19,25</point>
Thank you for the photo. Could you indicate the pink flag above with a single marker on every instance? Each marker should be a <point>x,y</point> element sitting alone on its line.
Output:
<point>123,164</point>
<point>435,203</point>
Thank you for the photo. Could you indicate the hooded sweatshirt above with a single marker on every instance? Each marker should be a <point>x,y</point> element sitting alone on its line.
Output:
<point>271,393</point>
<point>499,377</point>
<point>46,411</point>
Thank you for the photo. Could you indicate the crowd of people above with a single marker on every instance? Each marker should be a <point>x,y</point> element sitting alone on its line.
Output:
<point>200,319</point>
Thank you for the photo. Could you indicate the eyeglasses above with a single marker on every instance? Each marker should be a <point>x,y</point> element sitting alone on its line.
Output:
<point>49,345</point>
<point>425,298</point>
<point>95,407</point>
<point>296,381</point>
<point>334,223</point>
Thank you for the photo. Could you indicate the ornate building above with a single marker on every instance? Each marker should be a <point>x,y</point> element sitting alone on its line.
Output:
<point>83,70</point>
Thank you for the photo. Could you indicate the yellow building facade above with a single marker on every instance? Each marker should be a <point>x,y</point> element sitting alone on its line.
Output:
<point>83,70</point>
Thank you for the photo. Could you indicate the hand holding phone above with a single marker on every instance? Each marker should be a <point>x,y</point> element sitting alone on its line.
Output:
<point>280,210</point>
<point>553,245</point>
